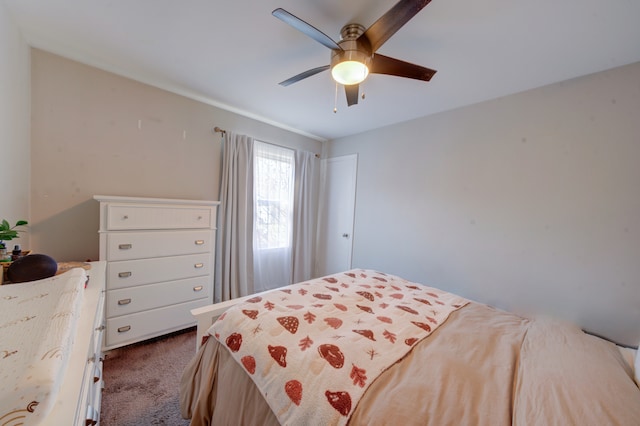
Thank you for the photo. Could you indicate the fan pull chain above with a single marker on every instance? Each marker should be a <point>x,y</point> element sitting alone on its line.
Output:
<point>335,100</point>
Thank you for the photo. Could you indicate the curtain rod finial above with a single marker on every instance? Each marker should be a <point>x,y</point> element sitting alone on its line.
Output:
<point>219,130</point>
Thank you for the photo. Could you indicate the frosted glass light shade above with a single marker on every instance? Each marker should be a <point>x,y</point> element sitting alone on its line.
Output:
<point>349,72</point>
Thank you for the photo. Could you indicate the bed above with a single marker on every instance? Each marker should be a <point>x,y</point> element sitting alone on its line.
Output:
<point>365,347</point>
<point>50,340</point>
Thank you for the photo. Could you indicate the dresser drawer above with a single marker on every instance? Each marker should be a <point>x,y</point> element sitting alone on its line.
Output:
<point>129,273</point>
<point>141,245</point>
<point>126,301</point>
<point>143,325</point>
<point>128,217</point>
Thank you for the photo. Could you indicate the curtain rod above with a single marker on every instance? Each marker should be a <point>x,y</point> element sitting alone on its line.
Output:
<point>224,132</point>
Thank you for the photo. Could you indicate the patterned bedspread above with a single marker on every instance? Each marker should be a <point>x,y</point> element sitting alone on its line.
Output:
<point>38,320</point>
<point>328,339</point>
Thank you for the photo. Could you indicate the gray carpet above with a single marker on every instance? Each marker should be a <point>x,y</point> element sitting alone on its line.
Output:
<point>142,381</point>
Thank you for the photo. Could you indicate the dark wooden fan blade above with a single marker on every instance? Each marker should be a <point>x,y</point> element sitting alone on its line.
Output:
<point>381,64</point>
<point>304,75</point>
<point>352,94</point>
<point>305,28</point>
<point>392,21</point>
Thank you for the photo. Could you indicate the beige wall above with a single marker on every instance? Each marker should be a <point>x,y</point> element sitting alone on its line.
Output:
<point>14,124</point>
<point>94,132</point>
<point>529,202</point>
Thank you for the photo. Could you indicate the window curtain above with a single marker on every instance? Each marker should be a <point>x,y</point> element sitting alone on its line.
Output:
<point>305,213</point>
<point>234,248</point>
<point>273,223</point>
<point>240,269</point>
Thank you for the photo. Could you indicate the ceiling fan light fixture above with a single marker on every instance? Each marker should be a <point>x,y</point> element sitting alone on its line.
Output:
<point>350,72</point>
<point>350,66</point>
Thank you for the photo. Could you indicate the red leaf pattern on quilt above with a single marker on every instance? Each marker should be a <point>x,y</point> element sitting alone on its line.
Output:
<point>330,280</point>
<point>269,306</point>
<point>410,341</point>
<point>302,291</point>
<point>309,317</point>
<point>389,336</point>
<point>305,343</point>
<point>255,299</point>
<point>359,376</point>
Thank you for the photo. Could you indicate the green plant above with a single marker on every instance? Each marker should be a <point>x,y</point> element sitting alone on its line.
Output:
<point>8,232</point>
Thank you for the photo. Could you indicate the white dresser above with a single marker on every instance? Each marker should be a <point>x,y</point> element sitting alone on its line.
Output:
<point>160,260</point>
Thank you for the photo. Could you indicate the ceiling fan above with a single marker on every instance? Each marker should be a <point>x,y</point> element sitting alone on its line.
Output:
<point>354,57</point>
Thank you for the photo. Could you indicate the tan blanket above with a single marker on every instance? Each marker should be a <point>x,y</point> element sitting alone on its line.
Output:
<point>482,367</point>
<point>314,348</point>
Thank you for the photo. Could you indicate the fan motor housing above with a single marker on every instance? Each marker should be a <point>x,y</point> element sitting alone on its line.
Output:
<point>353,48</point>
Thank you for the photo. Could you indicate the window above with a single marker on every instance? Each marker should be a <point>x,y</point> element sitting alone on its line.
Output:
<point>273,188</point>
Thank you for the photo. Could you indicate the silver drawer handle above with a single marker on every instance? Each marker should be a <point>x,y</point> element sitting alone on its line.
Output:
<point>199,242</point>
<point>124,274</point>
<point>124,329</point>
<point>101,328</point>
<point>198,265</point>
<point>125,217</point>
<point>124,302</point>
<point>199,217</point>
<point>125,246</point>
<point>198,288</point>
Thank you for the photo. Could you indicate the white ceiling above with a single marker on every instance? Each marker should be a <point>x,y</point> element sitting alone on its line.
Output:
<point>233,53</point>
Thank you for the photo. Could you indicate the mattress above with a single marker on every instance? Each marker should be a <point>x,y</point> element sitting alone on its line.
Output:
<point>38,322</point>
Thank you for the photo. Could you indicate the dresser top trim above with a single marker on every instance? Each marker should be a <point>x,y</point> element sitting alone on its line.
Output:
<point>140,200</point>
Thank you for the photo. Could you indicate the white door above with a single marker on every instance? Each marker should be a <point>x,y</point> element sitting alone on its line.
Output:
<point>335,240</point>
